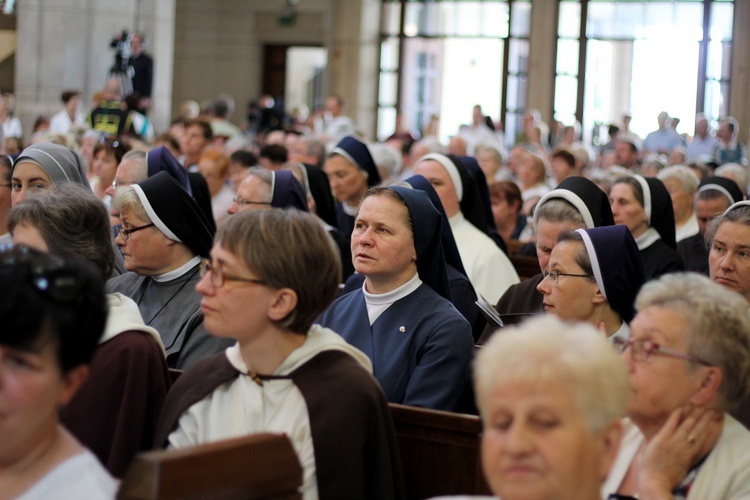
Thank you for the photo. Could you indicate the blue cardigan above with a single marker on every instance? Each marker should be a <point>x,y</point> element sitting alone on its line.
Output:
<point>421,347</point>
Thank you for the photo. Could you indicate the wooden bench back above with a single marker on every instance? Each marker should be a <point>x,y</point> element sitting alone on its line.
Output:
<point>439,452</point>
<point>261,466</point>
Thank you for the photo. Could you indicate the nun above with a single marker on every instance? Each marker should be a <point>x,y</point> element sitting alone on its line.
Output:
<point>577,203</point>
<point>263,189</point>
<point>160,158</point>
<point>487,267</point>
<point>714,196</point>
<point>163,238</point>
<point>463,295</point>
<point>350,170</point>
<point>594,276</point>
<point>42,166</point>
<point>643,204</point>
<point>420,346</point>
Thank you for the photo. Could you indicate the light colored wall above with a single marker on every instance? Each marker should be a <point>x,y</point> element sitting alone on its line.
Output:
<point>64,44</point>
<point>219,45</point>
<point>739,96</point>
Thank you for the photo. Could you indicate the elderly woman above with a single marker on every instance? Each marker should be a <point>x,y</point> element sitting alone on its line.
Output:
<point>271,273</point>
<point>53,313</point>
<point>350,170</point>
<point>689,362</point>
<point>402,318</point>
<point>114,413</point>
<point>163,238</point>
<point>551,396</point>
<point>682,183</point>
<point>594,276</point>
<point>532,176</point>
<point>714,196</point>
<point>728,237</point>
<point>487,267</point>
<point>643,204</point>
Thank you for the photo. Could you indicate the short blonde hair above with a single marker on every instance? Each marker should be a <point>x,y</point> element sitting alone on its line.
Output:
<point>720,327</point>
<point>546,349</point>
<point>287,248</point>
<point>126,199</point>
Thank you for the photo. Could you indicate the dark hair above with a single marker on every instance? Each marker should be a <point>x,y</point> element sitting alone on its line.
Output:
<point>244,158</point>
<point>5,162</point>
<point>205,126</point>
<point>566,156</point>
<point>112,146</point>
<point>508,191</point>
<point>68,95</point>
<point>287,248</point>
<point>72,221</point>
<point>634,185</point>
<point>275,152</point>
<point>168,140</point>
<point>48,298</point>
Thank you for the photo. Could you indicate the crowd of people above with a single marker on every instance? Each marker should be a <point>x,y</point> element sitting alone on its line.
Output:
<point>303,279</point>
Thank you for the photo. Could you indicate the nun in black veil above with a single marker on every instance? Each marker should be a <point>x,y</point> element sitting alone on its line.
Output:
<point>420,345</point>
<point>643,204</point>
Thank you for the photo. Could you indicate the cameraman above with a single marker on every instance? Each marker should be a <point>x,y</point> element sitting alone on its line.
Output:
<point>143,71</point>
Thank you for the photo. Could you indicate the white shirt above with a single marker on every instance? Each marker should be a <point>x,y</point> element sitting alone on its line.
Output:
<point>241,407</point>
<point>688,229</point>
<point>81,477</point>
<point>60,122</point>
<point>489,270</point>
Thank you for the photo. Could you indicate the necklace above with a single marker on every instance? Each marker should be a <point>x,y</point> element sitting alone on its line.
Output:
<point>145,287</point>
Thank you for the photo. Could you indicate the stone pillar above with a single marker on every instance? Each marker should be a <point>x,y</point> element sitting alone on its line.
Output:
<point>66,45</point>
<point>542,54</point>
<point>353,60</point>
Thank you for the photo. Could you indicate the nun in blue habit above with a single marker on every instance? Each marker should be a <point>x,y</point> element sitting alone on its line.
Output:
<point>420,346</point>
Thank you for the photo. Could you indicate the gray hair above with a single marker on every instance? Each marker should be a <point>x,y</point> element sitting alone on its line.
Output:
<point>126,199</point>
<point>496,153</point>
<point>740,215</point>
<point>719,330</point>
<point>140,157</point>
<point>72,221</point>
<point>735,172</point>
<point>559,210</point>
<point>266,176</point>
<point>682,174</point>
<point>386,158</point>
<point>546,349</point>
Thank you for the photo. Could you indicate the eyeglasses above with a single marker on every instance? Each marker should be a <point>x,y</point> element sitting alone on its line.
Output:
<point>116,184</point>
<point>641,350</point>
<point>554,276</point>
<point>219,277</point>
<point>48,274</point>
<point>125,233</point>
<point>240,201</point>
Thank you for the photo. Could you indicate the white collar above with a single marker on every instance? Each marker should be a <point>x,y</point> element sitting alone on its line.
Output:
<point>647,239</point>
<point>176,273</point>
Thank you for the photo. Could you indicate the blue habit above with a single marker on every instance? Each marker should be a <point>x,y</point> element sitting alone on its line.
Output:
<point>421,347</point>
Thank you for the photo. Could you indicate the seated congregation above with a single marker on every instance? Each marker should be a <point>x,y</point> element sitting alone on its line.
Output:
<point>339,313</point>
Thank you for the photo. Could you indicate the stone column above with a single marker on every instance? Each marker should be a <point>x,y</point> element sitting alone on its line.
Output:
<point>66,45</point>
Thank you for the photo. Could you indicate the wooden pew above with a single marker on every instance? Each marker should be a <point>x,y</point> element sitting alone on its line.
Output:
<point>526,266</point>
<point>261,466</point>
<point>439,452</point>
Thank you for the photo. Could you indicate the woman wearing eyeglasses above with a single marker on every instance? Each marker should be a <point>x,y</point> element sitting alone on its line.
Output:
<point>594,276</point>
<point>271,273</point>
<point>53,312</point>
<point>689,362</point>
